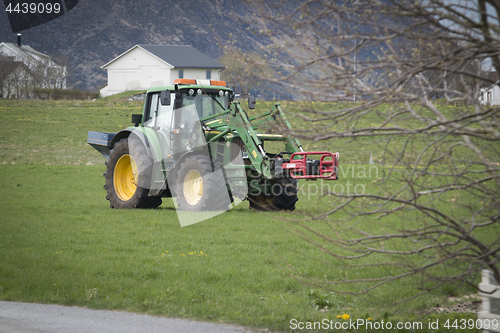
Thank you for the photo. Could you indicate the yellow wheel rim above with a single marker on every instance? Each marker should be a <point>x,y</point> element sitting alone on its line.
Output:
<point>193,187</point>
<point>125,177</point>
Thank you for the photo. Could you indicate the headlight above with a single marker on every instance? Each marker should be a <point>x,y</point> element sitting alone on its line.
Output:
<point>191,92</point>
<point>221,93</point>
<point>199,92</point>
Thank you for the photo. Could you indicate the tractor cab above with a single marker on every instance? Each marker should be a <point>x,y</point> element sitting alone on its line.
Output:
<point>188,95</point>
<point>208,100</point>
<point>174,112</point>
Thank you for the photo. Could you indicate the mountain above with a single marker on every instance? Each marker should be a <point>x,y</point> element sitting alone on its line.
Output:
<point>96,31</point>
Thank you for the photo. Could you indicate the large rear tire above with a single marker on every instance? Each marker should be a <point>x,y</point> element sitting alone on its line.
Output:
<point>282,196</point>
<point>201,186</point>
<point>123,179</point>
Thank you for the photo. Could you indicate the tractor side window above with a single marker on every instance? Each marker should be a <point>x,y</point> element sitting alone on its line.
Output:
<point>151,109</point>
<point>164,123</point>
<point>165,114</point>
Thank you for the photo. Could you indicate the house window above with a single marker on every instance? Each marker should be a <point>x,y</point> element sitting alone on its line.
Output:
<point>489,96</point>
<point>181,73</point>
<point>209,75</point>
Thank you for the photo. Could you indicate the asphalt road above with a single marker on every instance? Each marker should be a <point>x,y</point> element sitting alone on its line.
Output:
<point>44,318</point>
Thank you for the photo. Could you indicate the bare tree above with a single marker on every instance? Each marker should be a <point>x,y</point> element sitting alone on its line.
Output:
<point>242,71</point>
<point>27,75</point>
<point>58,71</point>
<point>434,211</point>
<point>7,75</point>
<point>30,72</point>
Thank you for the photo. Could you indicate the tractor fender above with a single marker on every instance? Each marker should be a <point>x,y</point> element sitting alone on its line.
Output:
<point>118,136</point>
<point>147,141</point>
<point>145,149</point>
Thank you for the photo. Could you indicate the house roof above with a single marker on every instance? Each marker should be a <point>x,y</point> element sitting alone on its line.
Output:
<point>178,56</point>
<point>27,52</point>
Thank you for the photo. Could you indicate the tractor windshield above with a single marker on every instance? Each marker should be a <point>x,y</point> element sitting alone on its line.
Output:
<point>206,104</point>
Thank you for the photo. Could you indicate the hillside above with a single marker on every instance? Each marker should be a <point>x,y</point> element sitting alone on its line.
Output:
<point>96,31</point>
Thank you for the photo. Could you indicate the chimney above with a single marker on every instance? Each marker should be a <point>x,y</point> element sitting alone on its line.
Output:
<point>19,39</point>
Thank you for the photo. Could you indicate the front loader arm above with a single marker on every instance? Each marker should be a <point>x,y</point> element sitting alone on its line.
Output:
<point>282,125</point>
<point>286,129</point>
<point>237,122</point>
<point>300,165</point>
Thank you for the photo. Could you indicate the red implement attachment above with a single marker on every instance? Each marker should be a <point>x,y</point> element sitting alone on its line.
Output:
<point>302,167</point>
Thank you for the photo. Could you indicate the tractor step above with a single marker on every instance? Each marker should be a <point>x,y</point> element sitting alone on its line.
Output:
<point>301,166</point>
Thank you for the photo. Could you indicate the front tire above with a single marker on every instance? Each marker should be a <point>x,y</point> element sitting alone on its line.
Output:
<point>282,196</point>
<point>201,186</point>
<point>123,180</point>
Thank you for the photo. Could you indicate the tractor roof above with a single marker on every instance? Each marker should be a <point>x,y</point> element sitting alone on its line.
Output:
<point>193,83</point>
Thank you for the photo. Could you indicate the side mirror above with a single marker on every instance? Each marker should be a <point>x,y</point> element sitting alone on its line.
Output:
<point>136,119</point>
<point>232,95</point>
<point>251,101</point>
<point>165,97</point>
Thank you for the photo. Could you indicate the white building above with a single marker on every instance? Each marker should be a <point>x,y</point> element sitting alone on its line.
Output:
<point>144,66</point>
<point>490,95</point>
<point>23,69</point>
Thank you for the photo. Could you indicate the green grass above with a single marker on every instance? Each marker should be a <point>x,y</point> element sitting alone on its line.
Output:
<point>61,243</point>
<point>45,132</point>
<point>359,150</point>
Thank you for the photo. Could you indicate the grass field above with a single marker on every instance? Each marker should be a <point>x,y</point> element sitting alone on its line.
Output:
<point>61,243</point>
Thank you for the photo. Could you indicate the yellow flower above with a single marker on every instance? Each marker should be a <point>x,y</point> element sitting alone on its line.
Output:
<point>339,316</point>
<point>345,316</point>
<point>369,319</point>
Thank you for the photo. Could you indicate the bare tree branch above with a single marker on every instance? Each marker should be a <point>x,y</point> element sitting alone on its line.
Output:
<point>404,78</point>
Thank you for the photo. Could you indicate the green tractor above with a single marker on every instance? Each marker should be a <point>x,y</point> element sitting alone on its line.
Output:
<point>194,141</point>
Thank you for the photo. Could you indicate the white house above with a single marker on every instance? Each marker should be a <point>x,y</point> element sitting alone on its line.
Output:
<point>490,94</point>
<point>22,69</point>
<point>144,66</point>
